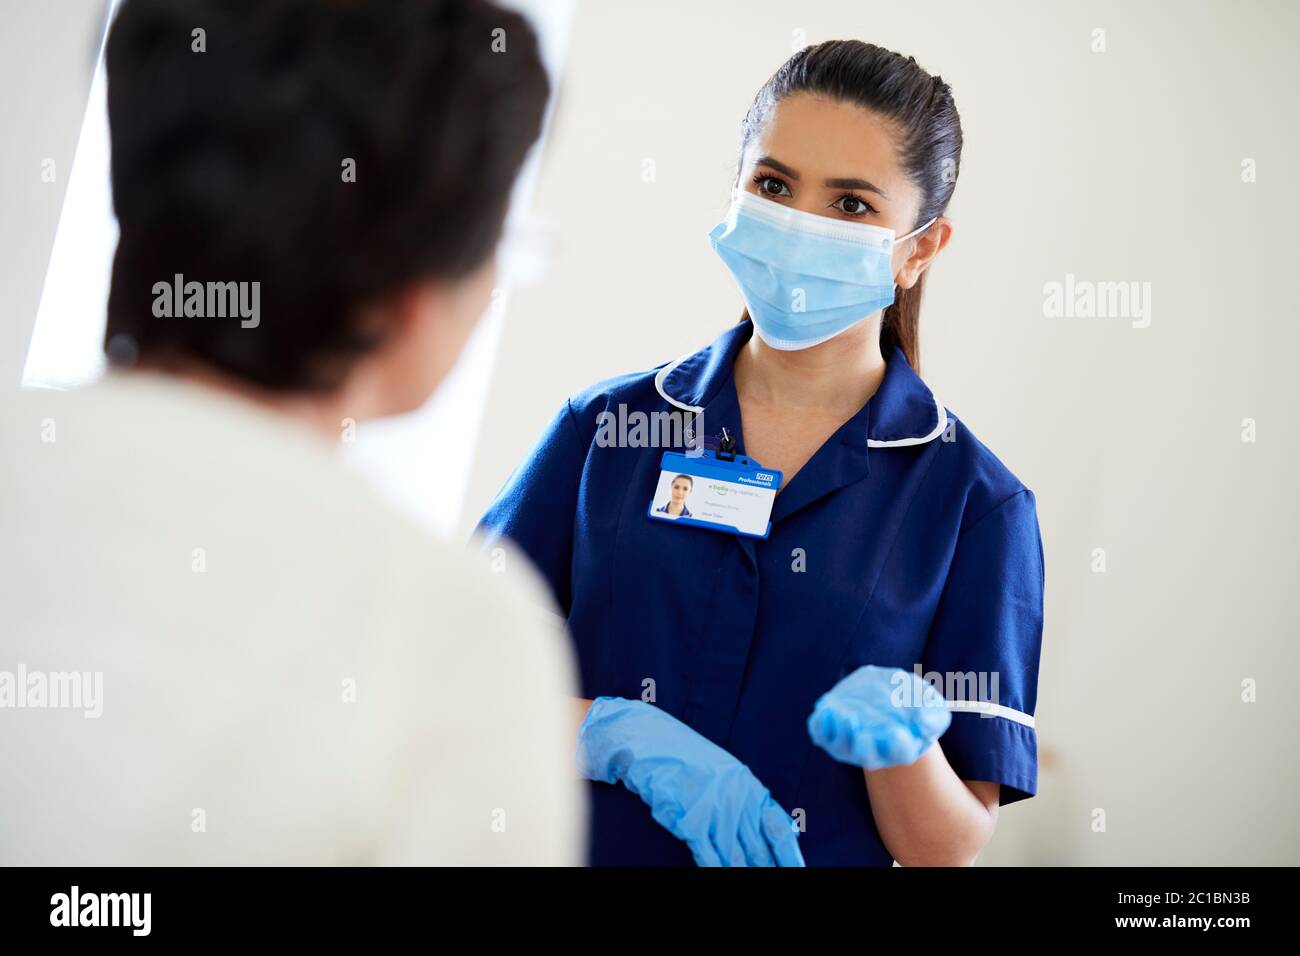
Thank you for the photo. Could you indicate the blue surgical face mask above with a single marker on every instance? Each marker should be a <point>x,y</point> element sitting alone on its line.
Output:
<point>805,278</point>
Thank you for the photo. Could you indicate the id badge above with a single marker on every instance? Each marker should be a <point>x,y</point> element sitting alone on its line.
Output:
<point>704,491</point>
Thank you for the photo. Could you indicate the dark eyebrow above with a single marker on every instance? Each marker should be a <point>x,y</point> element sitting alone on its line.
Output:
<point>781,168</point>
<point>785,170</point>
<point>856,184</point>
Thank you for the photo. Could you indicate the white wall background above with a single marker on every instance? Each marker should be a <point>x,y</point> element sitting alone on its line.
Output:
<point>47,57</point>
<point>1114,166</point>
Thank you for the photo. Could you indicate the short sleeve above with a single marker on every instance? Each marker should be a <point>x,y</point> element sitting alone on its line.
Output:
<point>537,506</point>
<point>985,643</point>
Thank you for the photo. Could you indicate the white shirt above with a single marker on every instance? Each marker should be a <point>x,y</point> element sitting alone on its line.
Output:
<point>290,673</point>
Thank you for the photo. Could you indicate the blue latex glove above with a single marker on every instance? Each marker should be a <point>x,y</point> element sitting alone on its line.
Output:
<point>879,717</point>
<point>695,790</point>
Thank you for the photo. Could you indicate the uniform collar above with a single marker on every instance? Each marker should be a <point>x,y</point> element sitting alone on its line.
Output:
<point>902,412</point>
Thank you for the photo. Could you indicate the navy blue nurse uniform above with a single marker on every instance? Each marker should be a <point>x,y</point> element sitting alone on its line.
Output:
<point>902,541</point>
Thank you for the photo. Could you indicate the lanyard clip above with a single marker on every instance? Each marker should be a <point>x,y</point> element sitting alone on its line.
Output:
<point>727,447</point>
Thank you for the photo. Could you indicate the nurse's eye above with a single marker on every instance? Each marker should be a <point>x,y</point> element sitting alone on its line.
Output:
<point>771,186</point>
<point>852,205</point>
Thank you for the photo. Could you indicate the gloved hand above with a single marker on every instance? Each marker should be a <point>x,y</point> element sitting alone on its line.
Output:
<point>858,722</point>
<point>696,790</point>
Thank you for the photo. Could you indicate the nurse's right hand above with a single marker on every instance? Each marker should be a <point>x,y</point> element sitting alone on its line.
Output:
<point>879,717</point>
<point>696,790</point>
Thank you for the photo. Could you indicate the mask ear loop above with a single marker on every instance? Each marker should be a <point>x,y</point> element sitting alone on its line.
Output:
<point>917,231</point>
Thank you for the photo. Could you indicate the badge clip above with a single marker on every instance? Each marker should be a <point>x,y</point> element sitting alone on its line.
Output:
<point>727,447</point>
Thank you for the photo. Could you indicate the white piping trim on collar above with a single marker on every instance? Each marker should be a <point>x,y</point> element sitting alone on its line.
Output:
<point>662,375</point>
<point>993,710</point>
<point>692,450</point>
<point>901,442</point>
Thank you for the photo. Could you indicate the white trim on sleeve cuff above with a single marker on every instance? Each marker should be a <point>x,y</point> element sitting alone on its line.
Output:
<point>992,710</point>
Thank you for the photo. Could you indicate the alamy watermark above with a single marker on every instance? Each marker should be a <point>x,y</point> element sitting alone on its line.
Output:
<point>977,689</point>
<point>1086,299</point>
<point>637,429</point>
<point>209,300</point>
<point>54,690</point>
<point>129,910</point>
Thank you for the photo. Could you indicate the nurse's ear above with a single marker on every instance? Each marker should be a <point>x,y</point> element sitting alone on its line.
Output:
<point>919,251</point>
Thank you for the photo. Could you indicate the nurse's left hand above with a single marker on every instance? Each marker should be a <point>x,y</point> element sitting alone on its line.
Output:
<point>879,717</point>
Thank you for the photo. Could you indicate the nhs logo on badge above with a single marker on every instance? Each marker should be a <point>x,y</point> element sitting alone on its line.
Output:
<point>763,476</point>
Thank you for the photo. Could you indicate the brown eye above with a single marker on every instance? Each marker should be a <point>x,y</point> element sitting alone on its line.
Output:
<point>771,186</point>
<point>852,206</point>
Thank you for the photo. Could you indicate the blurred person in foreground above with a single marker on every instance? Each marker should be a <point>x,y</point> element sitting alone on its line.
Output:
<point>218,644</point>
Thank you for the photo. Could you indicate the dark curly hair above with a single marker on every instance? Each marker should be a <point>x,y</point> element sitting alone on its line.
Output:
<point>228,165</point>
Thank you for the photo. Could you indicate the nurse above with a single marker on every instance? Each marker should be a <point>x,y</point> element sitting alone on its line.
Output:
<point>858,686</point>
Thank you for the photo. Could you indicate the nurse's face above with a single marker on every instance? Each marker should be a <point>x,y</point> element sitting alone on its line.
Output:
<point>838,160</point>
<point>680,490</point>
